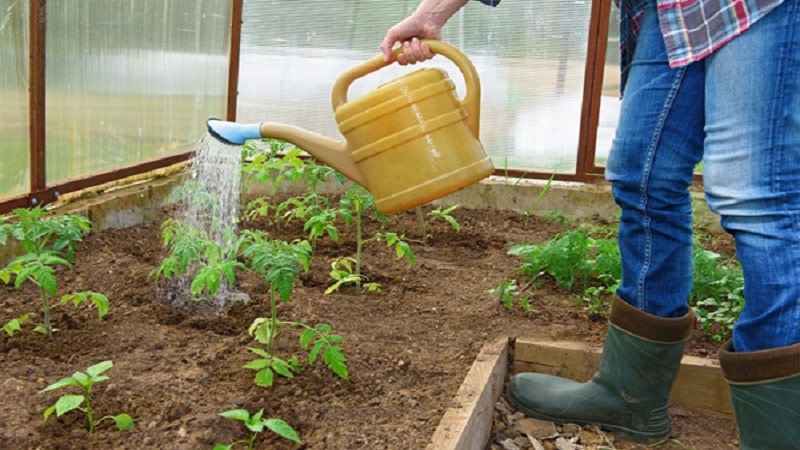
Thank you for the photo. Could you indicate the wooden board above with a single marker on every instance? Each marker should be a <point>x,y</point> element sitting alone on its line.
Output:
<point>467,423</point>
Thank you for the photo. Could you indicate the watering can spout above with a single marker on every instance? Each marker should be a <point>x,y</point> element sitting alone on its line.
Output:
<point>325,150</point>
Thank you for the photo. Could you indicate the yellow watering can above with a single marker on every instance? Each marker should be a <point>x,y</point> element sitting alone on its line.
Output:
<point>410,141</point>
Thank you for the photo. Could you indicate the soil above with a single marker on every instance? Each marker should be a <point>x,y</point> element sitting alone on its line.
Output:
<point>408,349</point>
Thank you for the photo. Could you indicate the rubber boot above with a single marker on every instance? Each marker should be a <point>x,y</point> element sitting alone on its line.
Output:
<point>628,394</point>
<point>765,389</point>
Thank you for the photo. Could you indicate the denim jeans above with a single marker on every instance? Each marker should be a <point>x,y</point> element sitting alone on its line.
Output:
<point>738,111</point>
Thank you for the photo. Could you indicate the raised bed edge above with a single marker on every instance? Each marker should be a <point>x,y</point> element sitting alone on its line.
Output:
<point>467,423</point>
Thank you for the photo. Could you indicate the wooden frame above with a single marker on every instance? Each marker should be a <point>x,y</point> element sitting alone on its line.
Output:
<point>466,425</point>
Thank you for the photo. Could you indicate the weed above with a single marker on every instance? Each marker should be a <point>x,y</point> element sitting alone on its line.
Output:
<point>508,293</point>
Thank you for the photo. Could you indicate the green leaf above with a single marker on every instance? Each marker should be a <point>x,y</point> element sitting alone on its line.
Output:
<point>60,384</point>
<point>15,324</point>
<point>236,414</point>
<point>98,300</point>
<point>339,369</point>
<point>49,412</point>
<point>67,403</point>
<point>260,352</point>
<point>123,421</point>
<point>312,355</point>
<point>282,368</point>
<point>306,337</point>
<point>258,364</point>
<point>282,429</point>
<point>265,377</point>
<point>99,368</point>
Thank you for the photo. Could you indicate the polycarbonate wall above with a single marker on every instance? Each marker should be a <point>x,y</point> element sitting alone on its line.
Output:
<point>14,173</point>
<point>126,81</point>
<point>129,81</point>
<point>530,56</point>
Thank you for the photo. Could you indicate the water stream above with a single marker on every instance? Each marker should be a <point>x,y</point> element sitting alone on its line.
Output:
<point>209,202</point>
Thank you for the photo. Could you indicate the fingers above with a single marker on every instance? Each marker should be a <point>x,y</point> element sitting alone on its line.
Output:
<point>414,51</point>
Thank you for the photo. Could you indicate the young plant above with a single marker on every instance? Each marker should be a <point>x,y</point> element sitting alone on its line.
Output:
<point>355,203</point>
<point>83,401</point>
<point>49,242</point>
<point>589,255</point>
<point>15,324</point>
<point>442,213</point>
<point>281,163</point>
<point>256,424</point>
<point>192,251</point>
<point>342,271</point>
<point>280,264</point>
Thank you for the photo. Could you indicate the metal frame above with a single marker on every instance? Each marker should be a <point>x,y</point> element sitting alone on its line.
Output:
<point>42,193</point>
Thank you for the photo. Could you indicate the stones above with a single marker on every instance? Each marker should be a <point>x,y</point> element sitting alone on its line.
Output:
<point>512,430</point>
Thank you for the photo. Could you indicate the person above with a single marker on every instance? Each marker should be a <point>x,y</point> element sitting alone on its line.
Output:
<point>716,81</point>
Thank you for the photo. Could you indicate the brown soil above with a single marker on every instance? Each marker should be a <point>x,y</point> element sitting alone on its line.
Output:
<point>408,349</point>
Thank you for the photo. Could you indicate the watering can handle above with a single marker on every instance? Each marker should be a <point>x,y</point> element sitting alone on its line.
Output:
<point>471,100</point>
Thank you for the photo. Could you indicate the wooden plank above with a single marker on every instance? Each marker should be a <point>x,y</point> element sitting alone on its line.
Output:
<point>698,385</point>
<point>467,424</point>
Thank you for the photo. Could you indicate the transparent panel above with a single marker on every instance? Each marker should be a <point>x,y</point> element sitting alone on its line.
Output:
<point>610,100</point>
<point>530,57</point>
<point>14,140</point>
<point>131,80</point>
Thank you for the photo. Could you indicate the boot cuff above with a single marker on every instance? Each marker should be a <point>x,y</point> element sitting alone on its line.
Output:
<point>759,366</point>
<point>649,327</point>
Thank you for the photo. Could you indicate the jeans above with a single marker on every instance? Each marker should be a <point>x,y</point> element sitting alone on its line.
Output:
<point>738,111</point>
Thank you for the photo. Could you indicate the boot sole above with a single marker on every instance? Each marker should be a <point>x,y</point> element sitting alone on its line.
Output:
<point>619,431</point>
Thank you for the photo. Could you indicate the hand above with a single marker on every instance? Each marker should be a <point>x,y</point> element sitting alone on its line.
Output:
<point>425,23</point>
<point>414,50</point>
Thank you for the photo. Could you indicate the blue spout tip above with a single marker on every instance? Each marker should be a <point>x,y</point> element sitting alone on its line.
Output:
<point>231,132</point>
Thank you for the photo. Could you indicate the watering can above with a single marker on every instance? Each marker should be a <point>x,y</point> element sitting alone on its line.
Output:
<point>410,141</point>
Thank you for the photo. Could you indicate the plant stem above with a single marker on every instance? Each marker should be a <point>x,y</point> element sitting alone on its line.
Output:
<point>273,321</point>
<point>359,244</point>
<point>88,397</point>
<point>421,218</point>
<point>46,307</point>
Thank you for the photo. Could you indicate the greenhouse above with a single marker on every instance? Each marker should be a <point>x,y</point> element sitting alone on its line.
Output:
<point>216,215</point>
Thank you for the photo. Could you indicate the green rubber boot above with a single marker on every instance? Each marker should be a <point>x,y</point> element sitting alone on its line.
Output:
<point>628,394</point>
<point>765,389</point>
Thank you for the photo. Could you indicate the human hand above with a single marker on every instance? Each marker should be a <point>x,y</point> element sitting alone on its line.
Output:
<point>408,35</point>
<point>425,23</point>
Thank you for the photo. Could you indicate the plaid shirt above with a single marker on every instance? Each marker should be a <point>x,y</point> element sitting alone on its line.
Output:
<point>692,29</point>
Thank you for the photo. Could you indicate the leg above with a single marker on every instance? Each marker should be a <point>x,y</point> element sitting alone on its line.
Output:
<point>659,141</point>
<point>752,177</point>
<point>752,171</point>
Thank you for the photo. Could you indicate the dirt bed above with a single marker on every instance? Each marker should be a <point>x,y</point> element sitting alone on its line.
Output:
<point>408,349</point>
